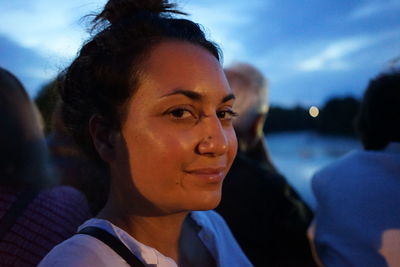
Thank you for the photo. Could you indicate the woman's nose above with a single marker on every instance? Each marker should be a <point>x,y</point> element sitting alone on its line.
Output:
<point>214,141</point>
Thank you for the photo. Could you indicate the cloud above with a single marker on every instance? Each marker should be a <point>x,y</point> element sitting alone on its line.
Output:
<point>333,56</point>
<point>55,29</point>
<point>226,23</point>
<point>47,27</point>
<point>339,55</point>
<point>286,40</point>
<point>374,7</point>
<point>30,67</point>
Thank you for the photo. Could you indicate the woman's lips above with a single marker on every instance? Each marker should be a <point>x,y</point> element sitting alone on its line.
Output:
<point>211,175</point>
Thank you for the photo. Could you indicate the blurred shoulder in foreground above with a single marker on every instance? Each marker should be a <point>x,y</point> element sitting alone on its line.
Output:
<point>34,215</point>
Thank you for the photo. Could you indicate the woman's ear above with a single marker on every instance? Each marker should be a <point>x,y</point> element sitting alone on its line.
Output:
<point>103,138</point>
<point>256,129</point>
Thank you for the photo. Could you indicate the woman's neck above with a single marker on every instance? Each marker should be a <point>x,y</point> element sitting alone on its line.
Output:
<point>162,232</point>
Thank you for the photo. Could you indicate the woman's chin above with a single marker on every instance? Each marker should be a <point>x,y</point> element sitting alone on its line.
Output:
<point>207,201</point>
<point>191,201</point>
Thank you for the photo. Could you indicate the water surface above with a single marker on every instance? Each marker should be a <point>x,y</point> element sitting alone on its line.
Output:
<point>297,155</point>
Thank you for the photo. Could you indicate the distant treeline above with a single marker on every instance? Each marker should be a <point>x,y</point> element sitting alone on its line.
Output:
<point>336,117</point>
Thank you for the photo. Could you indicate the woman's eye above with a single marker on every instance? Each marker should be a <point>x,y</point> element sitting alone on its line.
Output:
<point>180,113</point>
<point>226,114</point>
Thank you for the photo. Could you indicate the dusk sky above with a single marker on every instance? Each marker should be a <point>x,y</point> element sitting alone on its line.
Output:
<point>309,50</point>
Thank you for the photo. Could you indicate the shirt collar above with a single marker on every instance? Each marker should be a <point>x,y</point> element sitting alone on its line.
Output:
<point>145,253</point>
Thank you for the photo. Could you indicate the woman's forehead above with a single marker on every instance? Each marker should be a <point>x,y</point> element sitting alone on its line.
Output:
<point>174,66</point>
<point>180,57</point>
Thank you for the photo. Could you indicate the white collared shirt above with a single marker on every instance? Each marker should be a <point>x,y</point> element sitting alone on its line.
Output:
<point>84,250</point>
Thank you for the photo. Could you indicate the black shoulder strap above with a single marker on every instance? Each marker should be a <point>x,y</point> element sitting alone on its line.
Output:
<point>16,209</point>
<point>114,243</point>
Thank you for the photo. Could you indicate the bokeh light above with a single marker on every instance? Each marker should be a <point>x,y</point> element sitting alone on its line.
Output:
<point>314,111</point>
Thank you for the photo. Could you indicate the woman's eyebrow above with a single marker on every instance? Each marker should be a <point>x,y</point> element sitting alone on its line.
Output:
<point>189,94</point>
<point>228,97</point>
<point>196,96</point>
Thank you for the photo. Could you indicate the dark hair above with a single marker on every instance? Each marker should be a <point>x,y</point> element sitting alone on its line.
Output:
<point>377,122</point>
<point>105,75</point>
<point>23,154</point>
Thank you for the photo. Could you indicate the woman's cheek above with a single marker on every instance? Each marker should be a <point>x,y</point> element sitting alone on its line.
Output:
<point>233,143</point>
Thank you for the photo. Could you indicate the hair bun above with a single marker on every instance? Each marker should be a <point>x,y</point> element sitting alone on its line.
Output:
<point>117,10</point>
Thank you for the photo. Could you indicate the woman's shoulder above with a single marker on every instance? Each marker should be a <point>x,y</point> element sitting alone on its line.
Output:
<point>208,218</point>
<point>211,224</point>
<point>81,250</point>
<point>217,237</point>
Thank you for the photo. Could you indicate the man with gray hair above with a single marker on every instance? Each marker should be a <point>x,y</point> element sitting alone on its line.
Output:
<point>265,214</point>
<point>250,88</point>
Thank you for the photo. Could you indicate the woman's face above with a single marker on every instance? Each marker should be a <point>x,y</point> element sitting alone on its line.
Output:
<point>178,131</point>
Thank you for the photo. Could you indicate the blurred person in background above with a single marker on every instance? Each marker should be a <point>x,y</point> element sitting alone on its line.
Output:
<point>73,167</point>
<point>70,164</point>
<point>265,214</point>
<point>33,216</point>
<point>357,220</point>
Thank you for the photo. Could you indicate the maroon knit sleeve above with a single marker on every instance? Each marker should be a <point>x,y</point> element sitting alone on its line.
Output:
<point>53,216</point>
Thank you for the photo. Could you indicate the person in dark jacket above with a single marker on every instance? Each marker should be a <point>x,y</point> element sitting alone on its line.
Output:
<point>265,214</point>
